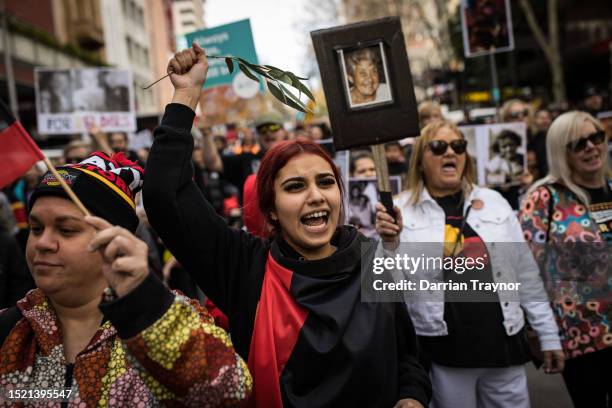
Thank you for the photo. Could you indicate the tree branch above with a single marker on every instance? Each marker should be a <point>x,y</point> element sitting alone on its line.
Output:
<point>535,28</point>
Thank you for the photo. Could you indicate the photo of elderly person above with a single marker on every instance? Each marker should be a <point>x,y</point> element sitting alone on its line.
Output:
<point>366,77</point>
<point>506,165</point>
<point>100,325</point>
<point>55,91</point>
<point>88,91</point>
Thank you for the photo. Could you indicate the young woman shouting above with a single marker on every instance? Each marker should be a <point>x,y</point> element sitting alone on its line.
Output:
<point>293,301</point>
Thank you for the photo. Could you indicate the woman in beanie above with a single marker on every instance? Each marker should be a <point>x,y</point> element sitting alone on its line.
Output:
<point>294,300</point>
<point>101,329</point>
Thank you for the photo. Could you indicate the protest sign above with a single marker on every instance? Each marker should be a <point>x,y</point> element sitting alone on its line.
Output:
<point>486,26</point>
<point>500,152</point>
<point>74,100</point>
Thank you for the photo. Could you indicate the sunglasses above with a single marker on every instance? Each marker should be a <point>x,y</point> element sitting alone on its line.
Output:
<point>579,145</point>
<point>438,147</point>
<point>519,114</point>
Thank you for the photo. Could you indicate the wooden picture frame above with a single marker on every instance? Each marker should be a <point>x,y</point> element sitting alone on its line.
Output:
<point>361,117</point>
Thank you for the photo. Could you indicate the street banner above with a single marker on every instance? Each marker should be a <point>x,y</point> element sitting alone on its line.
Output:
<point>74,100</point>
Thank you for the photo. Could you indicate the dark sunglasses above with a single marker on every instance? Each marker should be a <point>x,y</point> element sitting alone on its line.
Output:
<point>438,147</point>
<point>519,114</point>
<point>74,160</point>
<point>579,145</point>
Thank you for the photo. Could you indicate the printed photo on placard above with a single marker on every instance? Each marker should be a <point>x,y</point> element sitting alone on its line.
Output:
<point>362,199</point>
<point>486,26</point>
<point>72,101</point>
<point>506,160</point>
<point>55,91</point>
<point>499,151</point>
<point>366,77</point>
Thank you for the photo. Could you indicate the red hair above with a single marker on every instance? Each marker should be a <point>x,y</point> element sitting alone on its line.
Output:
<point>275,159</point>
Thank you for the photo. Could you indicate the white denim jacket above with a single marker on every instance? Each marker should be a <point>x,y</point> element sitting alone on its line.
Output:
<point>495,222</point>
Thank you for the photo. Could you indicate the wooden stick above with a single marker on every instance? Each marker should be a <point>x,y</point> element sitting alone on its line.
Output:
<point>382,177</point>
<point>66,187</point>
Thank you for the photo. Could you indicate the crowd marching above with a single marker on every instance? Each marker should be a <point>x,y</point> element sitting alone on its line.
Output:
<point>218,270</point>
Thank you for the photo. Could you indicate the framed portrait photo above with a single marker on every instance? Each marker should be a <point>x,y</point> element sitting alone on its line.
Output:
<point>366,76</point>
<point>367,82</point>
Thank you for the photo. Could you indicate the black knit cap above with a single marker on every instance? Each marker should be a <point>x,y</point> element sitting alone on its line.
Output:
<point>106,186</point>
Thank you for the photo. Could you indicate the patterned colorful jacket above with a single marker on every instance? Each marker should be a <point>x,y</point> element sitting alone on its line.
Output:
<point>567,244</point>
<point>146,353</point>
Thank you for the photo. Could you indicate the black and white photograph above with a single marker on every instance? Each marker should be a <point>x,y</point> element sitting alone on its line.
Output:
<point>507,155</point>
<point>362,199</point>
<point>55,91</point>
<point>469,133</point>
<point>88,92</point>
<point>366,78</point>
<point>116,85</point>
<point>74,100</point>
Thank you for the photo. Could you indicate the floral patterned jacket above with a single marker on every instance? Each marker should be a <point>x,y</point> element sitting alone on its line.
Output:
<point>146,353</point>
<point>576,266</point>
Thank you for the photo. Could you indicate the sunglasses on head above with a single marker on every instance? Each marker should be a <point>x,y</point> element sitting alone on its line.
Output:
<point>519,114</point>
<point>438,147</point>
<point>581,144</point>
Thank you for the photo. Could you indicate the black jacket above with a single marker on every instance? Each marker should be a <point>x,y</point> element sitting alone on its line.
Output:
<point>348,352</point>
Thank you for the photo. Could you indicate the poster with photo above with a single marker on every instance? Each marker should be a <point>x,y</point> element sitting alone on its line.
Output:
<point>367,82</point>
<point>361,203</point>
<point>366,76</point>
<point>72,101</point>
<point>486,26</point>
<point>500,152</point>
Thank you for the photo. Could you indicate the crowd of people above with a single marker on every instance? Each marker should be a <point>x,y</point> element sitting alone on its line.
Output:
<point>232,278</point>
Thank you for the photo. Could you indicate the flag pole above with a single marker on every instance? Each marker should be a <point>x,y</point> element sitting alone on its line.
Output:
<point>65,186</point>
<point>10,118</point>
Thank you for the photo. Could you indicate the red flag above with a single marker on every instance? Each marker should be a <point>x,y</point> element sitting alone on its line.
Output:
<point>18,152</point>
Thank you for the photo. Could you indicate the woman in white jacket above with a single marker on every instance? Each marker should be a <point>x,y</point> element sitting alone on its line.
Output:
<point>473,340</point>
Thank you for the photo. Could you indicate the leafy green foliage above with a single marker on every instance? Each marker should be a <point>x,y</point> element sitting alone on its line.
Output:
<point>274,78</point>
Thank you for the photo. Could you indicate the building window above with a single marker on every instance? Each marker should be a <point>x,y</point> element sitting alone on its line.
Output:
<point>128,41</point>
<point>186,11</point>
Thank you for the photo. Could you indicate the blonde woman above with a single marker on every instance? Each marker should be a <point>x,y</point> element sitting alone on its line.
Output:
<point>571,206</point>
<point>476,348</point>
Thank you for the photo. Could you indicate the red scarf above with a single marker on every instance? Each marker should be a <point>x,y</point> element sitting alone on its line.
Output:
<point>278,322</point>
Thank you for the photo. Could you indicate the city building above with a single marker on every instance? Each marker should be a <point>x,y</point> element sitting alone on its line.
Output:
<point>187,16</point>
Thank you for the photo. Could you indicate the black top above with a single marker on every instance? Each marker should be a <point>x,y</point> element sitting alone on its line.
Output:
<point>601,209</point>
<point>476,335</point>
<point>348,352</point>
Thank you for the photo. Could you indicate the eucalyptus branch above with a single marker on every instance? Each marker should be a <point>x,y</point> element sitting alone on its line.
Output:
<point>272,76</point>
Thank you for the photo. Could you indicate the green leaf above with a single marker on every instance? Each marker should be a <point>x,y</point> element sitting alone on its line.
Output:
<point>295,82</point>
<point>280,95</point>
<point>230,64</point>
<point>271,67</point>
<point>291,96</point>
<point>248,73</point>
<point>253,67</point>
